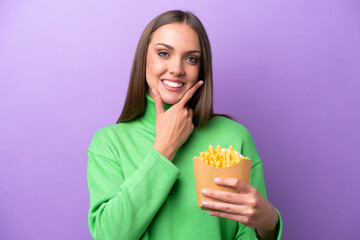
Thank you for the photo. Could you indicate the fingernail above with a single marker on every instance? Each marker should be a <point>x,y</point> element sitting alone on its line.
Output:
<point>154,92</point>
<point>211,213</point>
<point>204,191</point>
<point>217,180</point>
<point>204,203</point>
<point>201,82</point>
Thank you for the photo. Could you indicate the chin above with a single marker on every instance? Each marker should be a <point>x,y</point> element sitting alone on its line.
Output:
<point>171,99</point>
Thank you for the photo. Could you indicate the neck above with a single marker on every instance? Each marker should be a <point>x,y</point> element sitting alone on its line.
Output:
<point>149,118</point>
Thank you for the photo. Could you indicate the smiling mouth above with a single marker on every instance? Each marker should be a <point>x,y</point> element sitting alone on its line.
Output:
<point>172,84</point>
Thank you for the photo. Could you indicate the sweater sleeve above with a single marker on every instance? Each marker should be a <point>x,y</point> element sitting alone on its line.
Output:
<point>123,208</point>
<point>258,182</point>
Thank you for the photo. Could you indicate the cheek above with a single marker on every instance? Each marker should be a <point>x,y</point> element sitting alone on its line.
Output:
<point>193,73</point>
<point>154,66</point>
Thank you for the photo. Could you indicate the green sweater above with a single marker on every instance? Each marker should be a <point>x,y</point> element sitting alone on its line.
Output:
<point>137,193</point>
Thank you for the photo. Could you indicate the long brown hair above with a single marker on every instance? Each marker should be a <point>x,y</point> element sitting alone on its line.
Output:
<point>202,100</point>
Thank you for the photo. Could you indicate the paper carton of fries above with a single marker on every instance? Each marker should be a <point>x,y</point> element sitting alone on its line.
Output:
<point>219,162</point>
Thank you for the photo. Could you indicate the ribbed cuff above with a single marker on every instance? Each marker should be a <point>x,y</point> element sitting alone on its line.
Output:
<point>279,235</point>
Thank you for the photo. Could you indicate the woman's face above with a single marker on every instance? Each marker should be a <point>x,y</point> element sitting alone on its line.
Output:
<point>173,61</point>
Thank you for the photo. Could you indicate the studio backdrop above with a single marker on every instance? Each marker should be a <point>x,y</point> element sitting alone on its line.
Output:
<point>287,70</point>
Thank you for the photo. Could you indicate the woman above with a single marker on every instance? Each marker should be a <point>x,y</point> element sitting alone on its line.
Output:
<point>140,171</point>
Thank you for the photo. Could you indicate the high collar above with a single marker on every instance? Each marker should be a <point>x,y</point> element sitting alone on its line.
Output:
<point>149,117</point>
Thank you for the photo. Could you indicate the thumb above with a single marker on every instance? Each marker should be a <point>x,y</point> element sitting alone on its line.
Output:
<point>158,102</point>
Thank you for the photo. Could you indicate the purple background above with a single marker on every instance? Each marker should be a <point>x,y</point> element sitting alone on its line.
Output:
<point>289,70</point>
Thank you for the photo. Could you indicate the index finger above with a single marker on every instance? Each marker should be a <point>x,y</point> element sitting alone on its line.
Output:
<point>190,93</point>
<point>233,182</point>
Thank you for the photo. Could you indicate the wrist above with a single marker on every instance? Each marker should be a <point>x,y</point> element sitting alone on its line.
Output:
<point>271,232</point>
<point>166,151</point>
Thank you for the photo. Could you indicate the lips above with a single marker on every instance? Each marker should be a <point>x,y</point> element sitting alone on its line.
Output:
<point>173,86</point>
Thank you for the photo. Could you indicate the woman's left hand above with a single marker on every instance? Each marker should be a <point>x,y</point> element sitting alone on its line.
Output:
<point>248,207</point>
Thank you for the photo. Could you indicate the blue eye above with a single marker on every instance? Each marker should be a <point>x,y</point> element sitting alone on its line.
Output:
<point>163,54</point>
<point>193,59</point>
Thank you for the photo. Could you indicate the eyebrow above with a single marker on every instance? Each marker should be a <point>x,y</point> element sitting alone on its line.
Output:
<point>172,49</point>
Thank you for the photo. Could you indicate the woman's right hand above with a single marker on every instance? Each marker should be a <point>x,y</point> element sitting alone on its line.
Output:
<point>175,125</point>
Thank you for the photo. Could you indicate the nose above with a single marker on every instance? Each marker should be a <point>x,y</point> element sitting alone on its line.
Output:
<point>176,67</point>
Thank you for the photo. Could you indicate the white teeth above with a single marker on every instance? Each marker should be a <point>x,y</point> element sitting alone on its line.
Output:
<point>172,84</point>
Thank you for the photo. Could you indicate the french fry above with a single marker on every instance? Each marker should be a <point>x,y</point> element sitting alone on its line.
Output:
<point>211,150</point>
<point>221,157</point>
